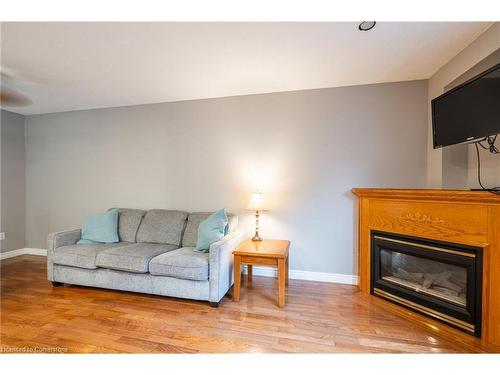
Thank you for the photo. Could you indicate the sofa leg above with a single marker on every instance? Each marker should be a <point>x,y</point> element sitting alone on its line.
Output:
<point>56,283</point>
<point>214,304</point>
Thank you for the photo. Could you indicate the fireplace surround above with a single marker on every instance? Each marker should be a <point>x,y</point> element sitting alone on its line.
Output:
<point>439,279</point>
<point>465,220</point>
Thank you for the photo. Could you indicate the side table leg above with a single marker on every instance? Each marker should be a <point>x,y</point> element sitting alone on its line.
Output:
<point>249,272</point>
<point>281,282</point>
<point>287,269</point>
<point>237,278</point>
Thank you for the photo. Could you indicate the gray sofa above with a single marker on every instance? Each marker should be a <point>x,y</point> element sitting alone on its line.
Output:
<point>155,255</point>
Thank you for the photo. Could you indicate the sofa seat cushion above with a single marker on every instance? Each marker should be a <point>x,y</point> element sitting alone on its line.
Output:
<point>82,256</point>
<point>132,258</point>
<point>183,263</point>
<point>162,226</point>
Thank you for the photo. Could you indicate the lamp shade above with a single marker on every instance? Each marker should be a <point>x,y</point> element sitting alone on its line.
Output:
<point>256,202</point>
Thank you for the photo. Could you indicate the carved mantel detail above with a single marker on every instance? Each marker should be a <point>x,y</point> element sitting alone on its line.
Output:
<point>418,217</point>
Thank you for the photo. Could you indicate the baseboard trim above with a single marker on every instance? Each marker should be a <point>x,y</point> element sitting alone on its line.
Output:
<point>24,251</point>
<point>11,254</point>
<point>308,275</point>
<point>35,251</point>
<point>257,271</point>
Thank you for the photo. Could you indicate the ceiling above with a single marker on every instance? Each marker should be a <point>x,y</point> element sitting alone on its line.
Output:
<point>71,66</point>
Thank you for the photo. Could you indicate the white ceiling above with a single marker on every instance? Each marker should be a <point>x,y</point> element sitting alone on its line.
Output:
<point>70,66</point>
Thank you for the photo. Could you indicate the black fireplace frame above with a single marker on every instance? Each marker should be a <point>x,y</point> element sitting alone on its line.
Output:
<point>466,318</point>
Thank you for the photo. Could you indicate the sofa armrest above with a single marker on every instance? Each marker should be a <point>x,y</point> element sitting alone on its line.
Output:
<point>221,265</point>
<point>64,238</point>
<point>58,239</point>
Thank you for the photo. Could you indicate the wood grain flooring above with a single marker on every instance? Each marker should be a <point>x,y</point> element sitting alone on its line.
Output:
<point>318,318</point>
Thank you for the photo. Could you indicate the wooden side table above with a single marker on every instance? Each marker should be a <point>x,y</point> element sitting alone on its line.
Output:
<point>272,253</point>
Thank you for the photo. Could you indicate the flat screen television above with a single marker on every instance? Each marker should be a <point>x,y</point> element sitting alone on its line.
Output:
<point>468,112</point>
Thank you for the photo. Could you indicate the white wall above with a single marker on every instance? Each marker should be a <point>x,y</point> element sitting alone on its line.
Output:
<point>455,167</point>
<point>305,150</point>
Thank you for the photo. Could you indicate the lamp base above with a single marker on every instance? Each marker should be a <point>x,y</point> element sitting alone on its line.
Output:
<point>256,238</point>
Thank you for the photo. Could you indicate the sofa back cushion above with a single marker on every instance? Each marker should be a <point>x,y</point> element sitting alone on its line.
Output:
<point>128,223</point>
<point>162,226</point>
<point>190,236</point>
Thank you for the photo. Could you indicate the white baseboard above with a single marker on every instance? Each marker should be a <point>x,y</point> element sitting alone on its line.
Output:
<point>257,271</point>
<point>11,254</point>
<point>35,251</point>
<point>308,275</point>
<point>24,251</point>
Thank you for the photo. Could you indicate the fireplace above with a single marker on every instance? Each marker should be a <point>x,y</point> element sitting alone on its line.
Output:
<point>439,279</point>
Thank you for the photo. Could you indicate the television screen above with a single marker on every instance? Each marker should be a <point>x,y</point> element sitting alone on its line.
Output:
<point>468,112</point>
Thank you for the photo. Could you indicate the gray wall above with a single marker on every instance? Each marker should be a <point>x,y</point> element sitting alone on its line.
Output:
<point>455,167</point>
<point>12,220</point>
<point>460,161</point>
<point>490,163</point>
<point>305,150</point>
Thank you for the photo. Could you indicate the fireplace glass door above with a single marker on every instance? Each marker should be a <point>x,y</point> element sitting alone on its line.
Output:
<point>444,281</point>
<point>441,280</point>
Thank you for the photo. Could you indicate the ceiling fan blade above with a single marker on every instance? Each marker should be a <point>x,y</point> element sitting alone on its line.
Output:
<point>13,76</point>
<point>11,98</point>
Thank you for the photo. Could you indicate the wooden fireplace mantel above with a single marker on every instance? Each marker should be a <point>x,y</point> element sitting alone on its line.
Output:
<point>429,194</point>
<point>457,216</point>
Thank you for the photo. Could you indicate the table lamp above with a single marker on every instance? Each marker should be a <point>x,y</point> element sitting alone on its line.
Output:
<point>256,204</point>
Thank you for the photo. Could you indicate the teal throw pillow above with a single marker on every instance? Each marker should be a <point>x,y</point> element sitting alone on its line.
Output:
<point>211,230</point>
<point>102,228</point>
<point>87,242</point>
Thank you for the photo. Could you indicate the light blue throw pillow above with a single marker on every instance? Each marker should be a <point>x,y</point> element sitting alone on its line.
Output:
<point>101,228</point>
<point>211,230</point>
<point>87,242</point>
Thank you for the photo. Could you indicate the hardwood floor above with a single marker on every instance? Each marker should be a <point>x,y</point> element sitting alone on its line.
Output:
<point>317,318</point>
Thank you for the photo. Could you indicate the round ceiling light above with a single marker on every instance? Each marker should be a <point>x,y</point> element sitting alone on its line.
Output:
<point>366,25</point>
